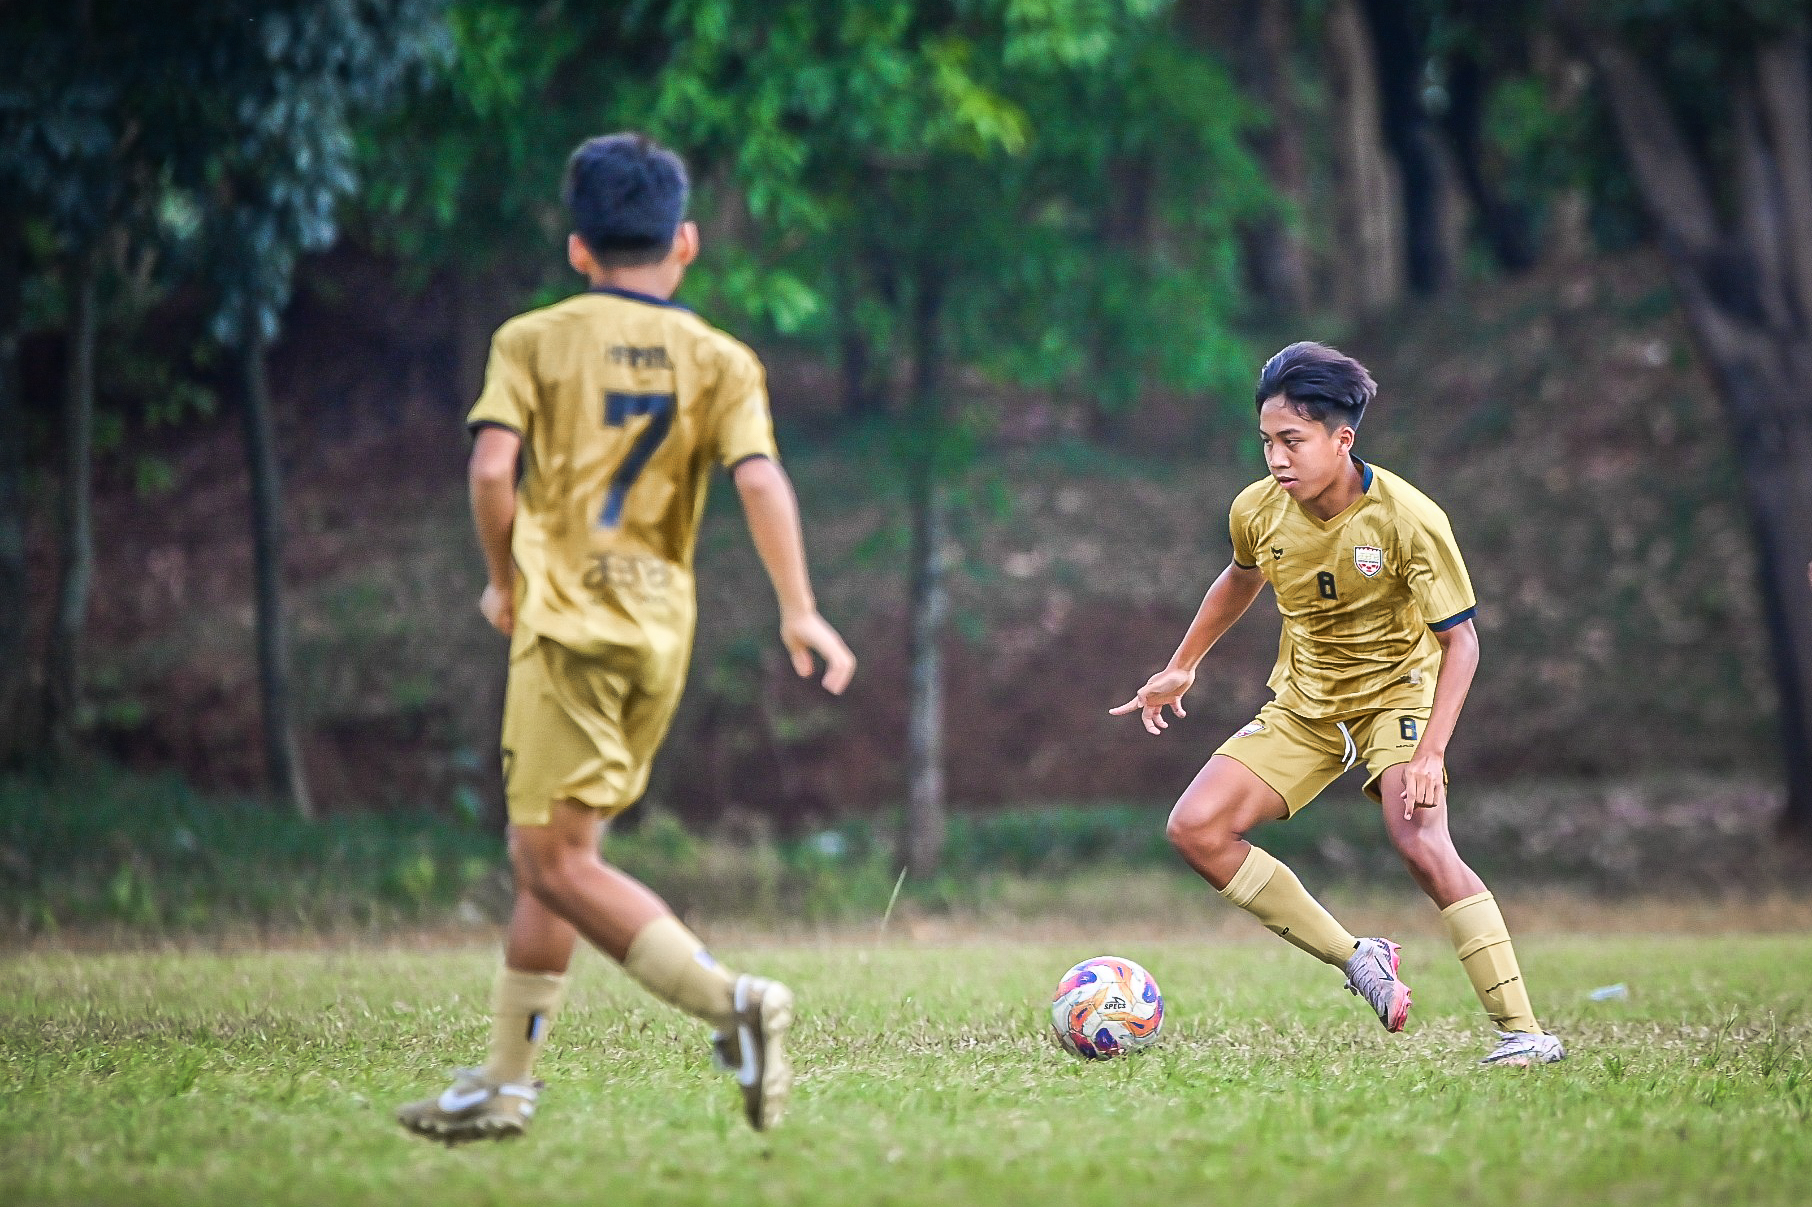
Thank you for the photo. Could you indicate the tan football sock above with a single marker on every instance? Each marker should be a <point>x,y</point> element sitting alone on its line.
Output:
<point>1482,942</point>
<point>523,1006</point>
<point>1270,892</point>
<point>672,964</point>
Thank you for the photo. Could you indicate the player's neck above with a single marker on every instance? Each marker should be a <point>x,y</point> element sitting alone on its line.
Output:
<point>1340,495</point>
<point>654,280</point>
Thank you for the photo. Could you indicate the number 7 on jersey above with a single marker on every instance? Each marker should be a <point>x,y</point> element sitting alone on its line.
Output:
<point>619,409</point>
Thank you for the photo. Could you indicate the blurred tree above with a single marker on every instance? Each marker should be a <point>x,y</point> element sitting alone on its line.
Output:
<point>1713,105</point>
<point>1277,253</point>
<point>62,137</point>
<point>1400,33</point>
<point>1049,194</point>
<point>1368,219</point>
<point>253,116</point>
<point>1480,42</point>
<point>473,206</point>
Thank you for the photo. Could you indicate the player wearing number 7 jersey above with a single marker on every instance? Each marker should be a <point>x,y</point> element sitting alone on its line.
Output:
<point>601,421</point>
<point>1377,653</point>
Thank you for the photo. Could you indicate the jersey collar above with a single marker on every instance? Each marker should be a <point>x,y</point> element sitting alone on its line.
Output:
<point>631,295</point>
<point>1352,509</point>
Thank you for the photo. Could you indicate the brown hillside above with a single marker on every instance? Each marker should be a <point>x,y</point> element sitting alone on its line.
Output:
<point>1559,418</point>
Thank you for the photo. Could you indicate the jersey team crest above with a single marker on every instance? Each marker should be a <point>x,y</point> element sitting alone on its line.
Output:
<point>1369,559</point>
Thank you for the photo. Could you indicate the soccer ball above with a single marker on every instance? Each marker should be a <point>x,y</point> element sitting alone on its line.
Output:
<point>1106,1007</point>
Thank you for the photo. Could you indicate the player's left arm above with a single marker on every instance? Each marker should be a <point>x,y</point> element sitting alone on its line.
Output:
<point>1425,778</point>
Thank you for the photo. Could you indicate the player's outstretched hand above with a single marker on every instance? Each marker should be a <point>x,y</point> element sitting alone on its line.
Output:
<point>499,607</point>
<point>1167,687</point>
<point>811,634</point>
<point>1424,784</point>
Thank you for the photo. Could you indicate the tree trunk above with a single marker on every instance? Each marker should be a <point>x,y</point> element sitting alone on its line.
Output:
<point>863,398</point>
<point>1772,416</point>
<point>1367,275</point>
<point>925,804</point>
<point>1276,251</point>
<point>282,759</point>
<point>15,589</point>
<point>1747,295</point>
<point>1399,43</point>
<point>1509,228</point>
<point>63,661</point>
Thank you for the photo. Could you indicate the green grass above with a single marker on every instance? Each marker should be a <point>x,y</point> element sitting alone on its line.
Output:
<point>926,1077</point>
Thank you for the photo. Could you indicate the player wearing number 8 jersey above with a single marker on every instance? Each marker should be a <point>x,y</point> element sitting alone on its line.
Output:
<point>601,421</point>
<point>1376,656</point>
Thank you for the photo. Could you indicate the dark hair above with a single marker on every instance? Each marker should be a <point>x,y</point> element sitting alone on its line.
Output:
<point>627,196</point>
<point>1319,383</point>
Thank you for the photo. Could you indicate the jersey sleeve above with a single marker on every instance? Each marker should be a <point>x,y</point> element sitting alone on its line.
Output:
<point>508,398</point>
<point>1239,528</point>
<point>741,425</point>
<point>1437,576</point>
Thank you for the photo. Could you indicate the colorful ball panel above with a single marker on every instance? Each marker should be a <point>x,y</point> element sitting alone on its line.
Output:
<point>1105,1007</point>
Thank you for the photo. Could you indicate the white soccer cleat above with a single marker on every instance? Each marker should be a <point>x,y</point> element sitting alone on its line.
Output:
<point>473,1108</point>
<point>1520,1049</point>
<point>1371,973</point>
<point>756,1050</point>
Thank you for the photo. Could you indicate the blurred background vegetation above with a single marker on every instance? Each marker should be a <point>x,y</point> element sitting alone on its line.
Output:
<point>1012,265</point>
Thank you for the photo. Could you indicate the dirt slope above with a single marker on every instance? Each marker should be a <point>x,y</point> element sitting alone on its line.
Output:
<point>1560,419</point>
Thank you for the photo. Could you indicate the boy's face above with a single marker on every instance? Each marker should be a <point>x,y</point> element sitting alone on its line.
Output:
<point>1300,452</point>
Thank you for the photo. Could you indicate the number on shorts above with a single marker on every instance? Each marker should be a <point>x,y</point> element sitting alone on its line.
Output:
<point>619,409</point>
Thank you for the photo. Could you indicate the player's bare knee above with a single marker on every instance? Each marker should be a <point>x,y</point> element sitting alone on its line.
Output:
<point>539,869</point>
<point>1197,829</point>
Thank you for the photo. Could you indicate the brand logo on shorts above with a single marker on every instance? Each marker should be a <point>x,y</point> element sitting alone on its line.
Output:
<point>1252,727</point>
<point>1369,559</point>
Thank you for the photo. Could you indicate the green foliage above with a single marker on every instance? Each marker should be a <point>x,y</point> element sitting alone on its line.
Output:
<point>926,1076</point>
<point>103,850</point>
<point>255,117</point>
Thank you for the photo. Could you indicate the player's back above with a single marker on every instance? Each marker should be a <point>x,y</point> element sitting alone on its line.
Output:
<point>624,402</point>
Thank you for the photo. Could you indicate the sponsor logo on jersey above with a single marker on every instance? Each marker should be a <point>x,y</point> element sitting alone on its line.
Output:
<point>1252,727</point>
<point>1276,552</point>
<point>1368,559</point>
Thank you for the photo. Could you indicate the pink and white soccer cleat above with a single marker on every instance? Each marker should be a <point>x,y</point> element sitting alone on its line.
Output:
<point>1372,975</point>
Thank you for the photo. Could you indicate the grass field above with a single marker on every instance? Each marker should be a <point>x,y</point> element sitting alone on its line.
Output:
<point>926,1076</point>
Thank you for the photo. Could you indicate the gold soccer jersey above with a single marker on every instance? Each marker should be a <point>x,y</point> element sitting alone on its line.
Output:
<point>1361,594</point>
<point>624,402</point>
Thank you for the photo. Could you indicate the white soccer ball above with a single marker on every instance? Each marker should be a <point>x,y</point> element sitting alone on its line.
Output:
<point>1106,1006</point>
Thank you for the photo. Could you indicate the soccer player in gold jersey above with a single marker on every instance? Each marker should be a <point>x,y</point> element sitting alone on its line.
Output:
<point>1377,654</point>
<point>600,422</point>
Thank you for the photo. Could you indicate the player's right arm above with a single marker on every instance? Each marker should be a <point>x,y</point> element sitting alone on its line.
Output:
<point>1226,601</point>
<point>491,476</point>
<point>772,510</point>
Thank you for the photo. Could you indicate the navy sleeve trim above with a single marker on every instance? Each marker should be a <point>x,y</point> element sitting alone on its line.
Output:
<point>1244,566</point>
<point>1462,618</point>
<point>741,461</point>
<point>479,425</point>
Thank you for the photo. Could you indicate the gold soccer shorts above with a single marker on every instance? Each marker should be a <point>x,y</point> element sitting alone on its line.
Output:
<point>583,728</point>
<point>1299,757</point>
